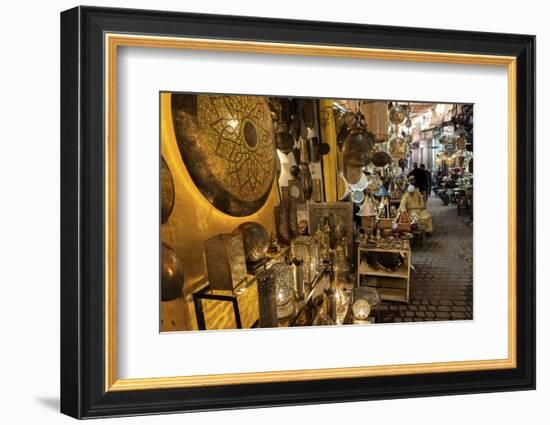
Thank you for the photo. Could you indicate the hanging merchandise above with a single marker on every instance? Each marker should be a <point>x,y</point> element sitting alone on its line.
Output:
<point>397,114</point>
<point>305,151</point>
<point>306,181</point>
<point>376,116</point>
<point>282,112</point>
<point>464,157</point>
<point>381,159</point>
<point>398,148</point>
<point>373,183</point>
<point>358,145</point>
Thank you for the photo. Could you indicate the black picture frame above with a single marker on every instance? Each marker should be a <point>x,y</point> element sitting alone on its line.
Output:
<point>83,392</point>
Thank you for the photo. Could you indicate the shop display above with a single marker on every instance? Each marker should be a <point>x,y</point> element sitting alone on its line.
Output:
<point>322,318</point>
<point>273,244</point>
<point>386,268</point>
<point>361,309</point>
<point>367,213</point>
<point>340,218</point>
<point>317,190</point>
<point>403,222</point>
<point>306,249</point>
<point>398,148</point>
<point>376,116</point>
<point>364,303</point>
<point>293,217</point>
<point>357,196</point>
<point>397,114</point>
<point>267,299</point>
<point>306,181</point>
<point>227,146</point>
<point>305,150</point>
<point>255,241</point>
<point>285,286</point>
<point>357,148</point>
<point>282,223</point>
<point>299,279</point>
<point>225,261</point>
<point>283,114</point>
<point>331,212</point>
<point>323,241</point>
<point>296,190</point>
<point>381,159</point>
<point>341,264</point>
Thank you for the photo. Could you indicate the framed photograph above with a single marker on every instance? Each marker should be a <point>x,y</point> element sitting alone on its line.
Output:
<point>261,212</point>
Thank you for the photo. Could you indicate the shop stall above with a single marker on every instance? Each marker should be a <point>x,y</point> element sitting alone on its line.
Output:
<point>283,212</point>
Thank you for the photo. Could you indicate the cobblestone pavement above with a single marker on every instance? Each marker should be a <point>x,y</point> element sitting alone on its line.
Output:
<point>442,280</point>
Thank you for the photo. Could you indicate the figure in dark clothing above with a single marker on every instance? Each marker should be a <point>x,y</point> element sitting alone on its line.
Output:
<point>419,177</point>
<point>428,182</point>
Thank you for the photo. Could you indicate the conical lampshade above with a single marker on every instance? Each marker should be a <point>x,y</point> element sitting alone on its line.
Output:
<point>366,209</point>
<point>382,191</point>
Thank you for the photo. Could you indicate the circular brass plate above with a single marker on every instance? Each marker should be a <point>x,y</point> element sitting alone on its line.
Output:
<point>167,192</point>
<point>227,145</point>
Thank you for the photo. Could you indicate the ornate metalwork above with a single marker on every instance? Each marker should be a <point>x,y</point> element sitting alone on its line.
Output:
<point>256,240</point>
<point>167,191</point>
<point>226,143</point>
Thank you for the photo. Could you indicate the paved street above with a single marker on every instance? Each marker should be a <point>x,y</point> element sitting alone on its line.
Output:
<point>442,282</point>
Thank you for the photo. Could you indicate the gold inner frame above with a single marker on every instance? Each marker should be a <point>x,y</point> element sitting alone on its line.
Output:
<point>113,41</point>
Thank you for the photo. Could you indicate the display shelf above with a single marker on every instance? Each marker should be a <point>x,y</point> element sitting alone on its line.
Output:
<point>391,285</point>
<point>390,294</point>
<point>366,269</point>
<point>385,282</point>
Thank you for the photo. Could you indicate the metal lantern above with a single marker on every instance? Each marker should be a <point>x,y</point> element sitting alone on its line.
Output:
<point>397,114</point>
<point>357,148</point>
<point>284,141</point>
<point>284,283</point>
<point>282,225</point>
<point>267,299</point>
<point>381,159</point>
<point>225,261</point>
<point>255,239</point>
<point>305,248</point>
<point>398,148</point>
